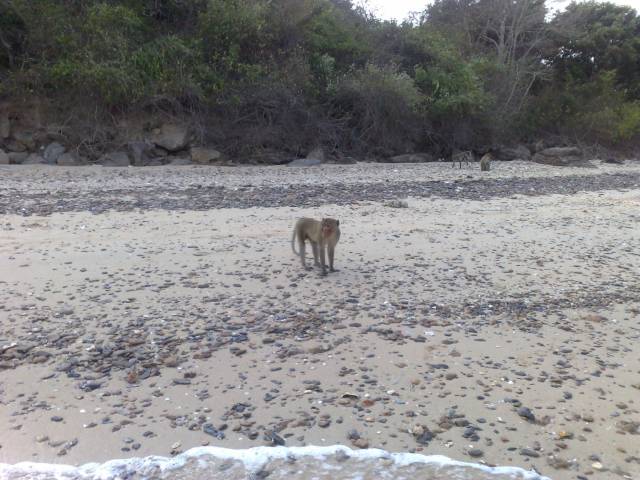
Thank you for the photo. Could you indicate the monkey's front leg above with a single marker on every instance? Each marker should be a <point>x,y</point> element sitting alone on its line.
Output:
<point>331,252</point>
<point>322,261</point>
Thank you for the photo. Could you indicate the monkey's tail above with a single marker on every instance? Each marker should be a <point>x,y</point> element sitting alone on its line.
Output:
<point>293,243</point>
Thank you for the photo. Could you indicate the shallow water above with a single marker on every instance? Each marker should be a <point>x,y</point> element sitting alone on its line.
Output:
<point>304,463</point>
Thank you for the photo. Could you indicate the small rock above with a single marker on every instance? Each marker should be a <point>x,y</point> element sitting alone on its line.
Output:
<point>361,443</point>
<point>527,414</point>
<point>529,452</point>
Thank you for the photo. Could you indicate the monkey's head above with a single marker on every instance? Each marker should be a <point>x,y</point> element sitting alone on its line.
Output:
<point>329,226</point>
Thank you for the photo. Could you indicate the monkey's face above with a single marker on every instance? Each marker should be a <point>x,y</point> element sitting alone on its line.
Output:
<point>329,226</point>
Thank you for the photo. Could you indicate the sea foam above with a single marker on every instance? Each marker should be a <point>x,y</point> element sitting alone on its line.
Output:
<point>274,463</point>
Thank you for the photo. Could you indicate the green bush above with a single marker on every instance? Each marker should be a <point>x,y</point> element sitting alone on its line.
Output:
<point>381,105</point>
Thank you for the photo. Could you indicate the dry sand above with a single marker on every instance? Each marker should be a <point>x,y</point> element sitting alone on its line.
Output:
<point>501,330</point>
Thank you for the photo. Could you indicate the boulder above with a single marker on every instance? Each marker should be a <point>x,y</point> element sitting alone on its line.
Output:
<point>70,159</point>
<point>34,159</point>
<point>412,158</point>
<point>53,152</point>
<point>17,158</point>
<point>171,137</point>
<point>4,158</point>
<point>519,152</point>
<point>140,153</point>
<point>114,159</point>
<point>204,156</point>
<point>316,154</point>
<point>559,156</point>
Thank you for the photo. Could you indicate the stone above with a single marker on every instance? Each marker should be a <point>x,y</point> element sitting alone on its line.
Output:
<point>17,158</point>
<point>34,159</point>
<point>114,159</point>
<point>70,159</point>
<point>559,156</point>
<point>53,152</point>
<point>361,443</point>
<point>475,452</point>
<point>204,155</point>
<point>396,204</point>
<point>519,152</point>
<point>171,137</point>
<point>412,158</point>
<point>529,452</point>
<point>4,158</point>
<point>526,413</point>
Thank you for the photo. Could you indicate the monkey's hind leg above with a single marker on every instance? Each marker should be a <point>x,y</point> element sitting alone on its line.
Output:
<point>314,247</point>
<point>301,247</point>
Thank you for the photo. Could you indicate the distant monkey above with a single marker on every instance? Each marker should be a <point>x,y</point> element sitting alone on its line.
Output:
<point>321,234</point>
<point>466,156</point>
<point>485,162</point>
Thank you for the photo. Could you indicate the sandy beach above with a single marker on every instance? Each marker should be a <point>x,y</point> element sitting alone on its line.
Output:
<point>495,319</point>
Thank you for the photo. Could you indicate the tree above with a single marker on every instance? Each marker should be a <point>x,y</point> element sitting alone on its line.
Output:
<point>591,37</point>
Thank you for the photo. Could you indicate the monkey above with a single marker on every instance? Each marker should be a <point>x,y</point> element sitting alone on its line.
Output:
<point>485,162</point>
<point>466,156</point>
<point>320,234</point>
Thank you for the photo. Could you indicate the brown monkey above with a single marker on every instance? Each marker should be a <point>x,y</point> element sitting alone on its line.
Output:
<point>485,162</point>
<point>321,234</point>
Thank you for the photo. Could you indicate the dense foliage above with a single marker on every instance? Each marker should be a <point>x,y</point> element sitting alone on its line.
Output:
<point>287,75</point>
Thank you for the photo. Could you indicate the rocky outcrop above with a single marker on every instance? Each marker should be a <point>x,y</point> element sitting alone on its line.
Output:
<point>204,155</point>
<point>559,156</point>
<point>412,158</point>
<point>4,158</point>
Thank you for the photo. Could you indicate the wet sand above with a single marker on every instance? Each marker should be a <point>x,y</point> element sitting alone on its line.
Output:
<point>500,329</point>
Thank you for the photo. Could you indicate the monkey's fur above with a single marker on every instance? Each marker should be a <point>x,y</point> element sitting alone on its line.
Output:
<point>485,162</point>
<point>321,234</point>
